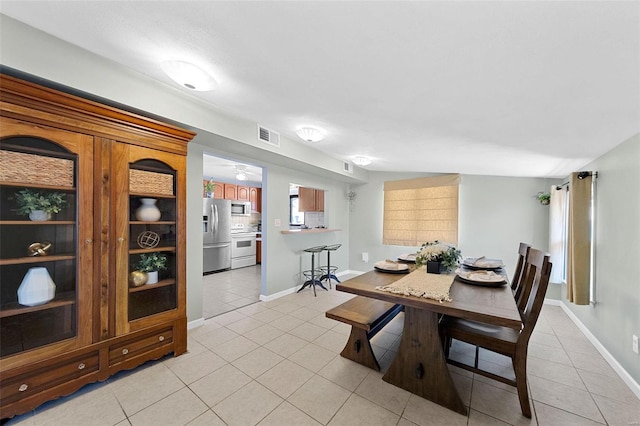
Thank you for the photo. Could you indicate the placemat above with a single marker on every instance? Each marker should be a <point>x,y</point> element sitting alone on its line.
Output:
<point>420,284</point>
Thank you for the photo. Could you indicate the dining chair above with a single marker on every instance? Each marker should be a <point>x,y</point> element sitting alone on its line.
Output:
<point>503,340</point>
<point>518,274</point>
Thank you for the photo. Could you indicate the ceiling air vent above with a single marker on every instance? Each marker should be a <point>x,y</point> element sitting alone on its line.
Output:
<point>268,136</point>
<point>347,167</point>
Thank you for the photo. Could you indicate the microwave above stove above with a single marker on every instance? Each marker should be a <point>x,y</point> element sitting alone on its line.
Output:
<point>240,208</point>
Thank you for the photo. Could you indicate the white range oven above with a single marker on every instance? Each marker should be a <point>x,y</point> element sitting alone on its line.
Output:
<point>243,248</point>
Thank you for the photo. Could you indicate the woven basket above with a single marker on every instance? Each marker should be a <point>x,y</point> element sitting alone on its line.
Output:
<point>35,169</point>
<point>143,182</point>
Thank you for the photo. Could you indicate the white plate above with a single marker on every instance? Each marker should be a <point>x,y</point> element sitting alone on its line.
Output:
<point>391,267</point>
<point>408,257</point>
<point>480,276</point>
<point>482,263</point>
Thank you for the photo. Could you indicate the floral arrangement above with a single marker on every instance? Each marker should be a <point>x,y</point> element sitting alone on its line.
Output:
<point>29,201</point>
<point>436,251</point>
<point>151,262</point>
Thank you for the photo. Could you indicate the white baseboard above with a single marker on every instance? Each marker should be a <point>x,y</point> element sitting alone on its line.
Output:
<point>292,290</point>
<point>277,295</point>
<point>195,323</point>
<point>619,369</point>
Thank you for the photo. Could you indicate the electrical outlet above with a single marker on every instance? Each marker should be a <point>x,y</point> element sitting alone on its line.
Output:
<point>276,222</point>
<point>635,343</point>
<point>365,257</point>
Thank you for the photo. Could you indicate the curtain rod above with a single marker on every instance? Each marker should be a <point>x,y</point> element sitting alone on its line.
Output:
<point>581,175</point>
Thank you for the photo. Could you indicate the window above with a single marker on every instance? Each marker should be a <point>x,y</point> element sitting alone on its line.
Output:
<point>421,210</point>
<point>295,217</point>
<point>572,223</point>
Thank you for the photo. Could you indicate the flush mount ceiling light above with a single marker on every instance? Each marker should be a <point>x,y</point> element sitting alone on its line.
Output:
<point>361,161</point>
<point>189,76</point>
<point>241,173</point>
<point>310,134</point>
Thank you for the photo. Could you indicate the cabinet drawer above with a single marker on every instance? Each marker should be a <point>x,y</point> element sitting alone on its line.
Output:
<point>122,351</point>
<point>46,375</point>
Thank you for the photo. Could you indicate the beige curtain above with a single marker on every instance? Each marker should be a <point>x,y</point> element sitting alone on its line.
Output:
<point>579,240</point>
<point>421,210</point>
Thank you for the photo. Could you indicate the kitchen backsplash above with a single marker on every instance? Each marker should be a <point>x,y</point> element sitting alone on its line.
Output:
<point>314,219</point>
<point>247,221</point>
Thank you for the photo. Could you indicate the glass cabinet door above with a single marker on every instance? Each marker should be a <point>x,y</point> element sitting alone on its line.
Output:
<point>45,246</point>
<point>150,241</point>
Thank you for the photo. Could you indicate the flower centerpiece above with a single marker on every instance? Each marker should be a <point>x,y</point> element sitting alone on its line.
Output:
<point>444,255</point>
<point>39,205</point>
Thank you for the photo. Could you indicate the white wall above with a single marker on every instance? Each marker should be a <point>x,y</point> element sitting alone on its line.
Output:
<point>616,315</point>
<point>495,215</point>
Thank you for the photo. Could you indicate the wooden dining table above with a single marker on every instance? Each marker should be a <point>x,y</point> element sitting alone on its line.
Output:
<point>419,365</point>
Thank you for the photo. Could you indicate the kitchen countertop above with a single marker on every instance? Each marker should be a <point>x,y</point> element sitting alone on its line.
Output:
<point>308,231</point>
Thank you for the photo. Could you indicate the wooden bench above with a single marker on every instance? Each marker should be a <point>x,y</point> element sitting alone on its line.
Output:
<point>367,317</point>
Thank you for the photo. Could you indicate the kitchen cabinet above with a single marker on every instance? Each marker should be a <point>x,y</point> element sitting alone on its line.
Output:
<point>102,161</point>
<point>218,190</point>
<point>230,191</point>
<point>258,248</point>
<point>255,196</point>
<point>310,200</point>
<point>242,193</point>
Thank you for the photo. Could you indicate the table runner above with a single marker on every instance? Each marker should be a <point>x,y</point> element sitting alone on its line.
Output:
<point>420,284</point>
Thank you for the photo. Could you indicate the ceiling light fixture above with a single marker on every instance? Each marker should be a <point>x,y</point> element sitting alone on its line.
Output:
<point>189,76</point>
<point>361,161</point>
<point>241,173</point>
<point>310,134</point>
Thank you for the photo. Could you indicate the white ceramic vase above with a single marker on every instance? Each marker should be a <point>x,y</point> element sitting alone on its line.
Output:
<point>37,288</point>
<point>39,216</point>
<point>152,277</point>
<point>148,211</point>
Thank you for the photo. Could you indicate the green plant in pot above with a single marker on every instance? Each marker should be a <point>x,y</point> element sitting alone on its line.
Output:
<point>151,263</point>
<point>544,198</point>
<point>209,187</point>
<point>39,205</point>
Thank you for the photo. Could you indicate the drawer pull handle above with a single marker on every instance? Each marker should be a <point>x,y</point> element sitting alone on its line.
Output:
<point>161,338</point>
<point>81,366</point>
<point>23,387</point>
<point>125,351</point>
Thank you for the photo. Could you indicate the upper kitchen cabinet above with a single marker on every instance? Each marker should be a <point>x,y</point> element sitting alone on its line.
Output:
<point>243,193</point>
<point>255,197</point>
<point>310,199</point>
<point>69,314</point>
<point>230,191</point>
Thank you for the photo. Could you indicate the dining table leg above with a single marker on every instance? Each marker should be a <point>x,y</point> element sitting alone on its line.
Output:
<point>420,366</point>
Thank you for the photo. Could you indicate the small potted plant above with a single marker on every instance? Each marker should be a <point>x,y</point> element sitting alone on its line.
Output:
<point>544,198</point>
<point>438,257</point>
<point>39,205</point>
<point>209,187</point>
<point>151,263</point>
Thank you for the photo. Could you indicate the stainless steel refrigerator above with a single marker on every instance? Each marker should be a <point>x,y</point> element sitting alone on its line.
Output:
<point>216,226</point>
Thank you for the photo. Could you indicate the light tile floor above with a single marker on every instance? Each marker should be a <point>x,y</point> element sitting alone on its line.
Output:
<point>229,290</point>
<point>278,363</point>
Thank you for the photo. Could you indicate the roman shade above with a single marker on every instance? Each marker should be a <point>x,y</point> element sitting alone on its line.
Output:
<point>421,210</point>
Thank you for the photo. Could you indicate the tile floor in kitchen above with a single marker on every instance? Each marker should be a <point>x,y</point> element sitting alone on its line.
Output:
<point>229,290</point>
<point>278,363</point>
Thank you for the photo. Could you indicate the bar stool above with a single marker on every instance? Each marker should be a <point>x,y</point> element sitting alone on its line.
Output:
<point>328,272</point>
<point>310,275</point>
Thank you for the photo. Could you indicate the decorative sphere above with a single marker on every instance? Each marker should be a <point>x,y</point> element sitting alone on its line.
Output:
<point>137,278</point>
<point>148,239</point>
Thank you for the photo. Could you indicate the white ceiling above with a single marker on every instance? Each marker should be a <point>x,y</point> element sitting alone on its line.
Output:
<point>500,88</point>
<point>224,170</point>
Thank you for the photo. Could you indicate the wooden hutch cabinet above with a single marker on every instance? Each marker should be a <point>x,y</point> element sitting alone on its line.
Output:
<point>101,161</point>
